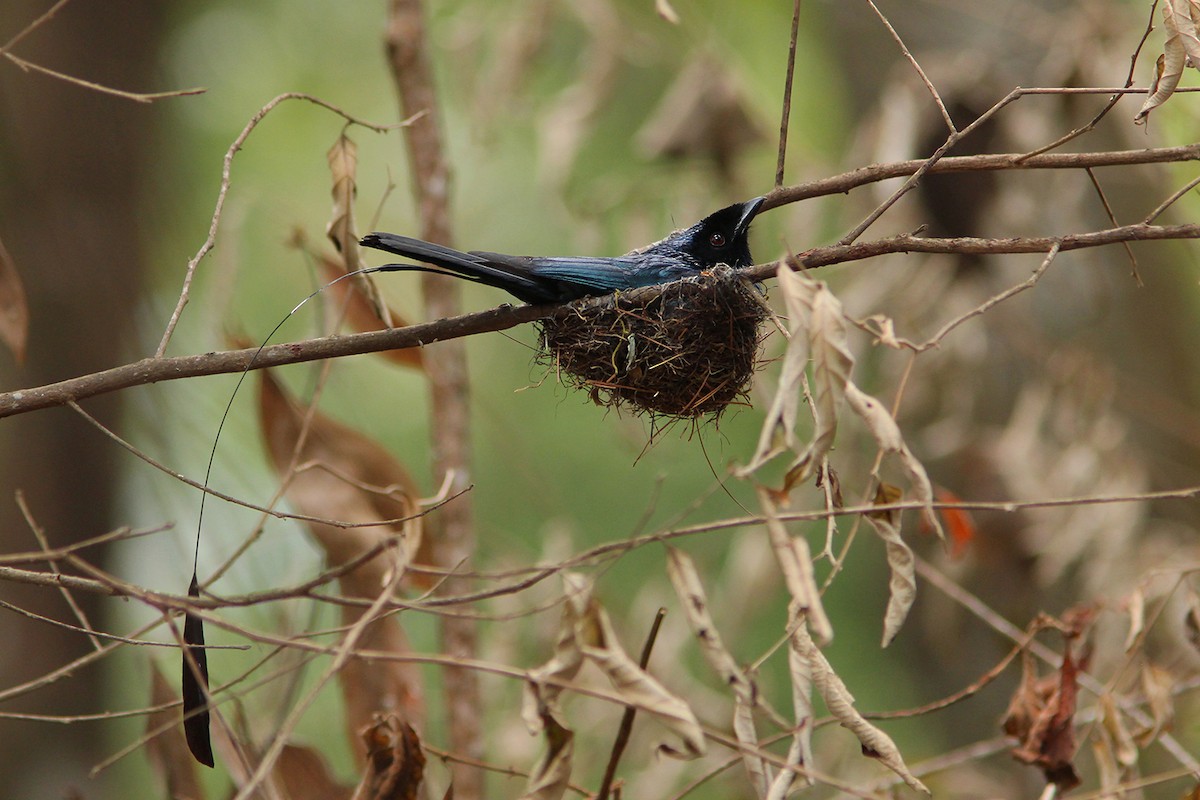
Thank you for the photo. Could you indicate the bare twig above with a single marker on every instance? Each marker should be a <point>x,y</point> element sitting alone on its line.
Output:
<point>226,169</point>
<point>785,116</point>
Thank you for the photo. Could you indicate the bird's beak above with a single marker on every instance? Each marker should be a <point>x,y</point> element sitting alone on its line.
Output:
<point>749,210</point>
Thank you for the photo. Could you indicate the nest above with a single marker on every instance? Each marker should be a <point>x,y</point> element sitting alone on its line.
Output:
<point>684,349</point>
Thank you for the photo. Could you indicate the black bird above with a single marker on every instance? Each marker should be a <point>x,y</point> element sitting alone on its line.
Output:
<point>719,238</point>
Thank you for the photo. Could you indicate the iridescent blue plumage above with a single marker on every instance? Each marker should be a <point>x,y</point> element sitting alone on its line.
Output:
<point>719,238</point>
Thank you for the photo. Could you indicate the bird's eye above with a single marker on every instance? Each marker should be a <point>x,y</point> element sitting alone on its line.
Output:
<point>717,239</point>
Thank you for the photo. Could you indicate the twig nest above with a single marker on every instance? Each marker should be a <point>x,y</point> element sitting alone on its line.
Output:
<point>683,349</point>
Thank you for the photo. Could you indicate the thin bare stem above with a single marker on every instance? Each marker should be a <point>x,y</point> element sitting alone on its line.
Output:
<point>786,114</point>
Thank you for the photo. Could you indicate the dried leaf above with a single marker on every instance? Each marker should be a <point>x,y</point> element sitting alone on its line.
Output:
<point>340,474</point>
<point>544,685</point>
<point>343,165</point>
<point>303,774</point>
<point>832,362</point>
<point>1135,604</point>
<point>168,751</point>
<point>598,642</point>
<point>1042,716</point>
<point>1181,48</point>
<point>799,755</point>
<point>686,580</point>
<point>1120,741</point>
<point>887,435</point>
<point>14,311</point>
<point>959,525</point>
<point>816,327</point>
<point>902,584</point>
<point>1158,686</point>
<point>551,776</point>
<point>875,743</point>
<point>396,760</point>
<point>795,561</point>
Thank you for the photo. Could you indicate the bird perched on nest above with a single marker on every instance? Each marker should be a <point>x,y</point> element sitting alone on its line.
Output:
<point>719,238</point>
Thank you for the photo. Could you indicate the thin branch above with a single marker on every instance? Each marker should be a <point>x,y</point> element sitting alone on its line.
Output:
<point>840,184</point>
<point>937,98</point>
<point>139,97</point>
<point>1112,218</point>
<point>786,114</point>
<point>226,168</point>
<point>153,370</point>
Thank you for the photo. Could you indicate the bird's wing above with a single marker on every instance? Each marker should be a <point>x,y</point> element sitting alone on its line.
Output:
<point>625,272</point>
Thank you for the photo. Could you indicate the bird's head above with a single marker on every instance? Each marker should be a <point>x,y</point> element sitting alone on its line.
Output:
<point>722,237</point>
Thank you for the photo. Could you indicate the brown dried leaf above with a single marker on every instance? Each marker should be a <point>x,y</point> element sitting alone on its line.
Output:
<point>1157,685</point>
<point>396,760</point>
<point>817,330</point>
<point>340,474</point>
<point>366,311</point>
<point>1041,715</point>
<point>795,562</point>
<point>799,755</point>
<point>887,435</point>
<point>686,580</point>
<point>343,165</point>
<point>902,584</point>
<point>1181,48</point>
<point>875,743</point>
<point>168,751</point>
<point>598,642</point>
<point>14,312</point>
<point>303,774</point>
<point>551,776</point>
<point>545,683</point>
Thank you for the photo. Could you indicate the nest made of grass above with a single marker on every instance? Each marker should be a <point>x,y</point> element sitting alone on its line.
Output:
<point>682,349</point>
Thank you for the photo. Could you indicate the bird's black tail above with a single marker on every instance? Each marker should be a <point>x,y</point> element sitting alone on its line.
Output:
<point>503,272</point>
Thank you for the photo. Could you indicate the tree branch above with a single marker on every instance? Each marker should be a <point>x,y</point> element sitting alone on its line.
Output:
<point>153,370</point>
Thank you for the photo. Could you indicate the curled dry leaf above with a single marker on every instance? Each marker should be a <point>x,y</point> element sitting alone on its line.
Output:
<point>902,583</point>
<point>1181,48</point>
<point>14,312</point>
<point>1042,716</point>
<point>1158,686</point>
<point>365,308</point>
<point>343,166</point>
<point>686,580</point>
<point>544,685</point>
<point>552,774</point>
<point>887,435</point>
<point>799,754</point>
<point>875,743</point>
<point>396,762</point>
<point>795,562</point>
<point>166,749</point>
<point>816,329</point>
<point>598,642</point>
<point>337,473</point>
